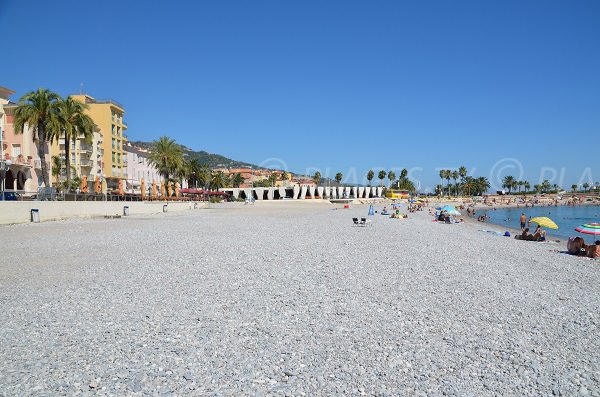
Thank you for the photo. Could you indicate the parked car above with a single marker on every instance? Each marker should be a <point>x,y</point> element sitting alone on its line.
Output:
<point>10,196</point>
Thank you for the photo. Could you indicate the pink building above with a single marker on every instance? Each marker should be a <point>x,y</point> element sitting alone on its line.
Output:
<point>20,151</point>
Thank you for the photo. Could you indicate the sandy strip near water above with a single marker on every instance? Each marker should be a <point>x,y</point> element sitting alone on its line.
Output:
<point>292,299</point>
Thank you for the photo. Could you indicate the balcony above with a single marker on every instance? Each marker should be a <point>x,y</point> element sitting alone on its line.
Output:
<point>20,160</point>
<point>85,148</point>
<point>86,163</point>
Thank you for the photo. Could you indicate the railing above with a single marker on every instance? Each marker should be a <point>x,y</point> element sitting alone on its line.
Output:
<point>19,160</point>
<point>109,101</point>
<point>87,163</point>
<point>86,148</point>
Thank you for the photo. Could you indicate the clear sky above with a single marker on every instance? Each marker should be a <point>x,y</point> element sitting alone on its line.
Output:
<point>333,85</point>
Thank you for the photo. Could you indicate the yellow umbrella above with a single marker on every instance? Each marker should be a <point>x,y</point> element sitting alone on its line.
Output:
<point>97,185</point>
<point>545,222</point>
<point>143,188</point>
<point>153,189</point>
<point>177,186</point>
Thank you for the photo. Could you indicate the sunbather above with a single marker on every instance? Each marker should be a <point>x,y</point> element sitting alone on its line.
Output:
<point>576,246</point>
<point>539,234</point>
<point>593,251</point>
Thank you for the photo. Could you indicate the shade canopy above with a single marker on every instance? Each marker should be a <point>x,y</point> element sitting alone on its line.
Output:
<point>589,228</point>
<point>545,222</point>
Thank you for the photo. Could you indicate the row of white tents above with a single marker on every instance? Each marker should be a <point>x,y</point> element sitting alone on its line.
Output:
<point>302,192</point>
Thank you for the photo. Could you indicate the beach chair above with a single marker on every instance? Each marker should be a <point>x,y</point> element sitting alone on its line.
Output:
<point>355,220</point>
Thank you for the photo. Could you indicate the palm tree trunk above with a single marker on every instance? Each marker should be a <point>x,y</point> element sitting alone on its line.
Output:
<point>42,152</point>
<point>68,160</point>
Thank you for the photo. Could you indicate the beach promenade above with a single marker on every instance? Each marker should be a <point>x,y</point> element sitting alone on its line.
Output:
<point>291,299</point>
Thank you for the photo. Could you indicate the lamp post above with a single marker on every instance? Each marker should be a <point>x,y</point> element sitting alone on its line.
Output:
<point>5,164</point>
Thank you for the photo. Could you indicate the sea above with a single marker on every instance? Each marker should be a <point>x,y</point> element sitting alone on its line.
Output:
<point>566,218</point>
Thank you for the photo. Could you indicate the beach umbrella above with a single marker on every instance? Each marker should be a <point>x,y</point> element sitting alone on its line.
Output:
<point>545,222</point>
<point>589,228</point>
<point>371,210</point>
<point>162,189</point>
<point>97,185</point>
<point>170,190</point>
<point>84,184</point>
<point>451,210</point>
<point>154,192</point>
<point>121,187</point>
<point>177,186</point>
<point>104,186</point>
<point>143,188</point>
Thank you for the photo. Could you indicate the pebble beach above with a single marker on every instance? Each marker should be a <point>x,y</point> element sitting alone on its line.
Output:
<point>289,299</point>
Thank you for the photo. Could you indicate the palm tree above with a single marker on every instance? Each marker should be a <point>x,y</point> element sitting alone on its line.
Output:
<point>455,175</point>
<point>192,171</point>
<point>338,178</point>
<point>56,168</point>
<point>442,177</point>
<point>527,186</point>
<point>469,184</point>
<point>217,180</point>
<point>166,156</point>
<point>507,183</point>
<point>462,172</point>
<point>403,173</point>
<point>237,180</point>
<point>545,186</point>
<point>586,186</point>
<point>391,176</point>
<point>317,178</point>
<point>482,185</point>
<point>370,176</point>
<point>447,176</point>
<point>73,124</point>
<point>38,109</point>
<point>381,176</point>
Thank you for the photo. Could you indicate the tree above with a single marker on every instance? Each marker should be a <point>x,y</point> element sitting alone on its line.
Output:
<point>56,169</point>
<point>381,176</point>
<point>391,176</point>
<point>482,185</point>
<point>545,186</point>
<point>508,182</point>
<point>462,172</point>
<point>73,124</point>
<point>237,180</point>
<point>317,178</point>
<point>338,177</point>
<point>370,176</point>
<point>38,109</point>
<point>284,176</point>
<point>193,168</point>
<point>447,176</point>
<point>586,186</point>
<point>166,156</point>
<point>527,186</point>
<point>272,179</point>
<point>469,184</point>
<point>442,177</point>
<point>217,180</point>
<point>455,175</point>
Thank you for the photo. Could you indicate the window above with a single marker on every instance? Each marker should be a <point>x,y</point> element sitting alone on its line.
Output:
<point>16,150</point>
<point>113,157</point>
<point>113,143</point>
<point>118,131</point>
<point>113,129</point>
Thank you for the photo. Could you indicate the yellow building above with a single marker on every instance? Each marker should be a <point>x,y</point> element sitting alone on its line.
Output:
<point>108,116</point>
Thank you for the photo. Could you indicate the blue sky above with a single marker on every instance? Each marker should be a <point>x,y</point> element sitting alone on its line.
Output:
<point>333,85</point>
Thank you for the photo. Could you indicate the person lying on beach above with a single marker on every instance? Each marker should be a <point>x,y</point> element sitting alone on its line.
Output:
<point>593,251</point>
<point>525,235</point>
<point>539,234</point>
<point>576,246</point>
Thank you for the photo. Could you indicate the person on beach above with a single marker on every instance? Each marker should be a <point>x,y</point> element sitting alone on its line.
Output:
<point>576,246</point>
<point>593,251</point>
<point>525,235</point>
<point>523,220</point>
<point>539,234</point>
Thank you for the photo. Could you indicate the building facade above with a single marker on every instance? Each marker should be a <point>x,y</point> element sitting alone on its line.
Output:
<point>22,165</point>
<point>108,117</point>
<point>138,167</point>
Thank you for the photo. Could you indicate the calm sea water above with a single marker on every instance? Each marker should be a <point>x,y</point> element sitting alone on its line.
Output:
<point>567,218</point>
